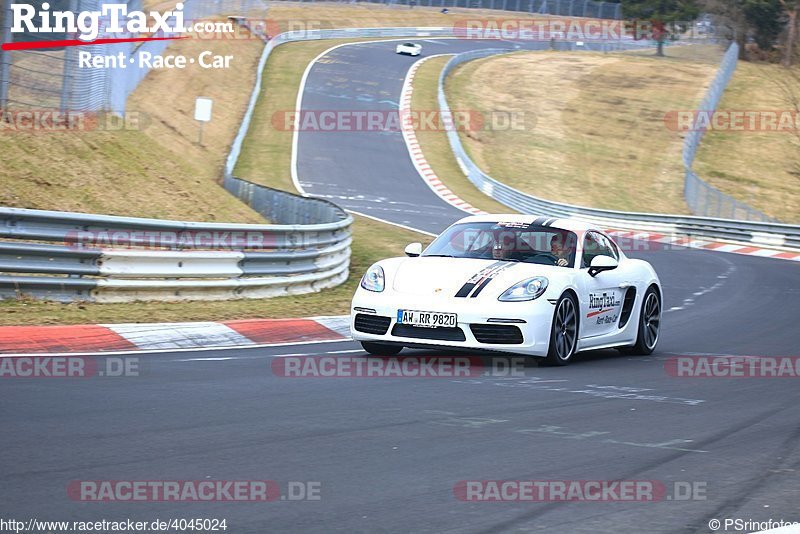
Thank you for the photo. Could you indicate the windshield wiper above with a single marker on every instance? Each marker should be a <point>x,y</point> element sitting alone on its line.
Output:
<point>438,256</point>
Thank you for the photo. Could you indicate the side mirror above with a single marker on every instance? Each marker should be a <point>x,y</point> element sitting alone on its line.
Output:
<point>413,250</point>
<point>602,263</point>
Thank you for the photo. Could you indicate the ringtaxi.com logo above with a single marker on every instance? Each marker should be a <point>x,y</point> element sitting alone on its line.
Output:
<point>193,491</point>
<point>578,491</point>
<point>69,367</point>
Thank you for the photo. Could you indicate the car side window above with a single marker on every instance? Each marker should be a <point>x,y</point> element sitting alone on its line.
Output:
<point>610,245</point>
<point>595,244</point>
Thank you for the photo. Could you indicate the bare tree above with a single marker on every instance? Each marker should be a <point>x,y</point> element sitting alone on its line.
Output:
<point>731,14</point>
<point>792,8</point>
<point>788,82</point>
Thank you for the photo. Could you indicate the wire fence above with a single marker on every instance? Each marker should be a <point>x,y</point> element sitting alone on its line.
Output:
<point>703,198</point>
<point>53,79</point>
<point>564,8</point>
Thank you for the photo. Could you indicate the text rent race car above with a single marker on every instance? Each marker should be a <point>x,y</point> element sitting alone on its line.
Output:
<point>530,285</point>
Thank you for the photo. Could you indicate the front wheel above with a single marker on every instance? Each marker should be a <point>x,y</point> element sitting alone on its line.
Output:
<point>381,349</point>
<point>564,332</point>
<point>649,323</point>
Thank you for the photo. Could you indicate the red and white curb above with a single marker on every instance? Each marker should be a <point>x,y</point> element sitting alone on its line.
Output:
<point>417,157</point>
<point>429,176</point>
<point>133,337</point>
<point>690,242</point>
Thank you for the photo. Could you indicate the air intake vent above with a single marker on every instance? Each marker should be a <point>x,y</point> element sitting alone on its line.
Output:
<point>497,334</point>
<point>372,324</point>
<point>627,306</point>
<point>418,332</point>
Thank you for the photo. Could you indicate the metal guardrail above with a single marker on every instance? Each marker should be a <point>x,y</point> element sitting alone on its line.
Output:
<point>753,232</point>
<point>76,256</point>
<point>702,197</point>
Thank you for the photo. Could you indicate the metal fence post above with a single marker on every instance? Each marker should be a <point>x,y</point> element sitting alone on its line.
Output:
<point>69,65</point>
<point>5,56</point>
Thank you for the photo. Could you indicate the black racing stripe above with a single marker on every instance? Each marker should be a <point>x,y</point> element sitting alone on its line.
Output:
<point>550,221</point>
<point>469,285</point>
<point>480,288</point>
<point>539,221</point>
<point>491,277</point>
<point>465,289</point>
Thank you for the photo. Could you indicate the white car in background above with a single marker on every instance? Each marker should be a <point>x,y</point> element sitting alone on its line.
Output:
<point>537,286</point>
<point>411,49</point>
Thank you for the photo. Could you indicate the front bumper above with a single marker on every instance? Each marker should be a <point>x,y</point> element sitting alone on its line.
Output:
<point>535,330</point>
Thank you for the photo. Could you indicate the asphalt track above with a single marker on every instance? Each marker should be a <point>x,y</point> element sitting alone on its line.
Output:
<point>388,452</point>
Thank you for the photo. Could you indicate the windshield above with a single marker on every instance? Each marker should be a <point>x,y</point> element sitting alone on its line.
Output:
<point>508,241</point>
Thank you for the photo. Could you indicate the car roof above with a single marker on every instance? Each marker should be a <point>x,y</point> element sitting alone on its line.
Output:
<point>571,225</point>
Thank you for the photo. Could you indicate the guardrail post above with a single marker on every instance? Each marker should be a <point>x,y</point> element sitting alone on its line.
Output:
<point>69,65</point>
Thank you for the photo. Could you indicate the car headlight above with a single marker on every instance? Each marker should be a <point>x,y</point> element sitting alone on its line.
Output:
<point>529,289</point>
<point>374,279</point>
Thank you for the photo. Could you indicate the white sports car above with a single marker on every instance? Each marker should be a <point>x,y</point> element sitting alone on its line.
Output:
<point>412,49</point>
<point>537,286</point>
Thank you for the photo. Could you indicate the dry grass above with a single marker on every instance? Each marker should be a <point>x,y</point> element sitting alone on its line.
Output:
<point>156,169</point>
<point>435,145</point>
<point>760,168</point>
<point>594,131</point>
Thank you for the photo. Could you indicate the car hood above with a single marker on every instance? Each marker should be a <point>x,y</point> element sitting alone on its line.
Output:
<point>450,277</point>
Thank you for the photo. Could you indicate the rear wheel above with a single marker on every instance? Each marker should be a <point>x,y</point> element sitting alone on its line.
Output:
<point>649,323</point>
<point>381,349</point>
<point>564,332</point>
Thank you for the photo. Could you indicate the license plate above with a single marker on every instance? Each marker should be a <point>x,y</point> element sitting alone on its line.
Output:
<point>426,319</point>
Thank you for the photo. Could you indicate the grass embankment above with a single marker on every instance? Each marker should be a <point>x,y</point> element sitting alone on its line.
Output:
<point>155,168</point>
<point>759,168</point>
<point>594,124</point>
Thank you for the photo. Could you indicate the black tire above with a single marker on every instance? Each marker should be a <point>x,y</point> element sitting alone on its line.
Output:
<point>564,332</point>
<point>381,349</point>
<point>649,323</point>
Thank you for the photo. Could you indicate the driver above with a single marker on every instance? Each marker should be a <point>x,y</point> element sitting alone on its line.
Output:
<point>501,252</point>
<point>558,250</point>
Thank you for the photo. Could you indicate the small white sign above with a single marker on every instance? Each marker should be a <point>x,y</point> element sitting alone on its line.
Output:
<point>202,109</point>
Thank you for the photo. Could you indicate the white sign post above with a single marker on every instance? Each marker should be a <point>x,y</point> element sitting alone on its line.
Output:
<point>202,113</point>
